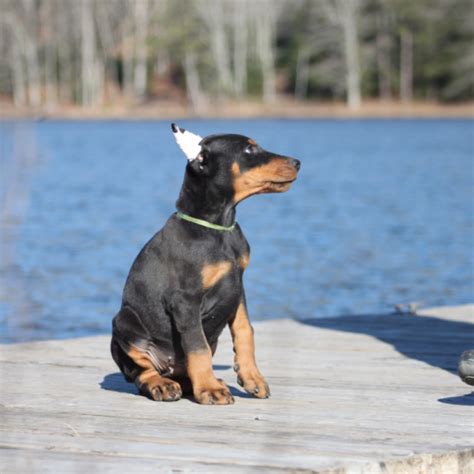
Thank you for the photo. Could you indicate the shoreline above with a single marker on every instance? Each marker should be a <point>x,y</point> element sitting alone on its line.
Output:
<point>284,109</point>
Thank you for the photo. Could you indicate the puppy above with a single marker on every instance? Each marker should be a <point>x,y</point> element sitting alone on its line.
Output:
<point>185,285</point>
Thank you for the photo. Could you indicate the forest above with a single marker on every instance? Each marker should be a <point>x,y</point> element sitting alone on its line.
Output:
<point>96,52</point>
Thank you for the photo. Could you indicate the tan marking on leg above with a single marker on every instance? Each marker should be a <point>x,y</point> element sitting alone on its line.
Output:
<point>147,375</point>
<point>150,382</point>
<point>140,358</point>
<point>213,272</point>
<point>248,374</point>
<point>242,335</point>
<point>159,388</point>
<point>244,261</point>
<point>199,366</point>
<point>273,177</point>
<point>207,389</point>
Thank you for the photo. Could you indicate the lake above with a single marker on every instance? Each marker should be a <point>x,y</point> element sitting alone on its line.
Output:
<point>382,213</point>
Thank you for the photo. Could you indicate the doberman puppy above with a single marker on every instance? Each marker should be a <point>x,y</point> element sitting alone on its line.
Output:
<point>185,285</point>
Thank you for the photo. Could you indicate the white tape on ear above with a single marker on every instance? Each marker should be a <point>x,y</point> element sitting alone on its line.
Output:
<point>187,141</point>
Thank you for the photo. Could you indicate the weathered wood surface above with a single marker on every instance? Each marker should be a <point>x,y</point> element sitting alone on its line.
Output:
<point>353,394</point>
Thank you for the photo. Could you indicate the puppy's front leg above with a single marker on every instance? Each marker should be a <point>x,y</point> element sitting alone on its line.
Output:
<point>207,389</point>
<point>248,375</point>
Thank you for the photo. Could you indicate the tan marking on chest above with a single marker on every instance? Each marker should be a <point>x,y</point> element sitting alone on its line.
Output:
<point>244,261</point>
<point>211,273</point>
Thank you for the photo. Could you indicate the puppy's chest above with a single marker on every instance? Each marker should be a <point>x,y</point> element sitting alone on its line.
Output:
<point>226,263</point>
<point>223,289</point>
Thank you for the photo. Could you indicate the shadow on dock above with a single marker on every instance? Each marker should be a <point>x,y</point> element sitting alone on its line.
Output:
<point>435,341</point>
<point>116,383</point>
<point>466,400</point>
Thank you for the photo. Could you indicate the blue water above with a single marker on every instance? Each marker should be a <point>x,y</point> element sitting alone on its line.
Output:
<point>381,214</point>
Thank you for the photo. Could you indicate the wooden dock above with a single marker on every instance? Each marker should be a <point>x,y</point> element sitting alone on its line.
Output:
<point>359,394</point>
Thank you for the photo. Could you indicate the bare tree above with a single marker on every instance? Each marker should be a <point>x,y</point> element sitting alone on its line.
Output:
<point>347,12</point>
<point>193,84</point>
<point>82,51</point>
<point>265,30</point>
<point>240,12</point>
<point>318,47</point>
<point>344,14</point>
<point>213,14</point>
<point>383,48</point>
<point>30,40</point>
<point>68,34</point>
<point>406,65</point>
<point>141,17</point>
<point>19,89</point>
<point>108,14</point>
<point>125,40</point>
<point>48,16</point>
<point>302,73</point>
<point>90,67</point>
<point>20,22</point>
<point>10,28</point>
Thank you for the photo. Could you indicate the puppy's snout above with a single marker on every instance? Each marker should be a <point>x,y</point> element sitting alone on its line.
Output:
<point>295,163</point>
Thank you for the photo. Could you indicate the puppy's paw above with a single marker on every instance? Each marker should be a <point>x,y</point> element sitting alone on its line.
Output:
<point>252,381</point>
<point>162,389</point>
<point>216,393</point>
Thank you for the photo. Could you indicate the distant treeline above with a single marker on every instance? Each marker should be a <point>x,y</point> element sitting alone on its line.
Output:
<point>98,52</point>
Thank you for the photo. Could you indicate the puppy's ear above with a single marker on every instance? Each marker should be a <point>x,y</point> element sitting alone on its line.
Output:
<point>188,142</point>
<point>200,164</point>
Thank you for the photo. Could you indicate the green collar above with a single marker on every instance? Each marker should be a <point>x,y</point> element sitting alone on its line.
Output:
<point>204,223</point>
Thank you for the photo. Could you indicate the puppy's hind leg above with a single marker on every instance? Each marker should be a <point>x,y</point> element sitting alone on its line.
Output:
<point>140,360</point>
<point>149,381</point>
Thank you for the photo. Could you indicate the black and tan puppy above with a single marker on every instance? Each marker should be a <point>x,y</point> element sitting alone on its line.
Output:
<point>185,285</point>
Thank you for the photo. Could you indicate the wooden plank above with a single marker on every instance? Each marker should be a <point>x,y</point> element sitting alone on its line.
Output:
<point>352,394</point>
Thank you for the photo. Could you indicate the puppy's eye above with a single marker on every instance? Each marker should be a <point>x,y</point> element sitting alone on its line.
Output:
<point>250,149</point>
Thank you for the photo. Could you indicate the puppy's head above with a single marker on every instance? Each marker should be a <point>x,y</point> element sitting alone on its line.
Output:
<point>236,164</point>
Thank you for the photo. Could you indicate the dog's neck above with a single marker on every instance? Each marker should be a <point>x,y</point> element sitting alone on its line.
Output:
<point>202,198</point>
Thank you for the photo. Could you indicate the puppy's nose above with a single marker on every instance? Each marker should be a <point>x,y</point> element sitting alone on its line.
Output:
<point>296,163</point>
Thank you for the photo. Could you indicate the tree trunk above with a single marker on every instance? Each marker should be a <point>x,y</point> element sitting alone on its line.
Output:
<point>265,36</point>
<point>65,59</point>
<point>141,33</point>
<point>383,51</point>
<point>51,91</point>
<point>348,10</point>
<point>302,74</point>
<point>19,90</point>
<point>17,40</point>
<point>163,63</point>
<point>29,33</point>
<point>240,30</point>
<point>87,53</point>
<point>50,76</point>
<point>127,53</point>
<point>406,66</point>
<point>193,84</point>
<point>212,13</point>
<point>91,74</point>
<point>33,74</point>
<point>107,40</point>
